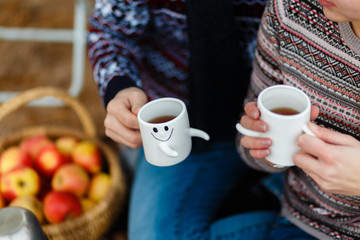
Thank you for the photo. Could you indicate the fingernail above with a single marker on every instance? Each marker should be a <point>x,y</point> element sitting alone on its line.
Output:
<point>253,115</point>
<point>266,152</point>
<point>266,143</point>
<point>261,127</point>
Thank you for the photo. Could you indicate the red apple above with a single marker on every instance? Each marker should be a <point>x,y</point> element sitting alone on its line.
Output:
<point>30,203</point>
<point>2,201</point>
<point>20,182</point>
<point>34,144</point>
<point>49,159</point>
<point>59,206</point>
<point>71,178</point>
<point>87,155</point>
<point>66,144</point>
<point>12,158</point>
<point>99,186</point>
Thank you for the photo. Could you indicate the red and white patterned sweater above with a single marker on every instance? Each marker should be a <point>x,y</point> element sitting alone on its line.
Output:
<point>299,46</point>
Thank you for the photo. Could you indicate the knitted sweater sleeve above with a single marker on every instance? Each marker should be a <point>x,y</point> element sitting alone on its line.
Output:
<point>266,72</point>
<point>115,28</point>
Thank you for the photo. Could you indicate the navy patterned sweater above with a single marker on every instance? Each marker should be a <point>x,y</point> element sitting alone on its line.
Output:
<point>145,43</point>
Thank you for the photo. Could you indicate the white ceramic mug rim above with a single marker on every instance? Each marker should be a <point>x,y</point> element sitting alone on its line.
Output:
<point>165,99</point>
<point>281,116</point>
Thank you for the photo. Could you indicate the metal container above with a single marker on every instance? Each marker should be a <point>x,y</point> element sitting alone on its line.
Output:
<point>19,224</point>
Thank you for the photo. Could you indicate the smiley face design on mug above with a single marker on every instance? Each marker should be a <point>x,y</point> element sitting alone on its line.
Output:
<point>165,131</point>
<point>162,133</point>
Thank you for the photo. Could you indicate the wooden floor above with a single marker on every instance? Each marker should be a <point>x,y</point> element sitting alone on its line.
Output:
<point>26,65</point>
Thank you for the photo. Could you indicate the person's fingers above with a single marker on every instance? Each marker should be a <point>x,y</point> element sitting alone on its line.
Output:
<point>314,112</point>
<point>330,136</point>
<point>128,137</point>
<point>117,128</point>
<point>121,113</point>
<point>256,125</point>
<point>255,143</point>
<point>252,110</point>
<point>259,153</point>
<point>258,147</point>
<point>137,105</point>
<point>136,99</point>
<point>307,162</point>
<point>122,134</point>
<point>313,146</point>
<point>311,166</point>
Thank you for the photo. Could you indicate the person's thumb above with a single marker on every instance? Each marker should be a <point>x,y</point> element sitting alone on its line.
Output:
<point>137,105</point>
<point>135,109</point>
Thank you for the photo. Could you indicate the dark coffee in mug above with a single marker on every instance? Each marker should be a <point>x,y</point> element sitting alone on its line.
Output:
<point>162,119</point>
<point>285,111</point>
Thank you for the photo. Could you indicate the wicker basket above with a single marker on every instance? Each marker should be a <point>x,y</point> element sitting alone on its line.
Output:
<point>95,222</point>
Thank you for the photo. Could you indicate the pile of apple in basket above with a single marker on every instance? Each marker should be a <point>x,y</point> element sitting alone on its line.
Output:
<point>56,179</point>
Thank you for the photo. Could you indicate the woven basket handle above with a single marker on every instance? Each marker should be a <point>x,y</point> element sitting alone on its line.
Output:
<point>27,96</point>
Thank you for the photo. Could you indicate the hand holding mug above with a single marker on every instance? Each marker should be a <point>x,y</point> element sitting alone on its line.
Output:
<point>121,124</point>
<point>272,135</point>
<point>259,147</point>
<point>332,160</point>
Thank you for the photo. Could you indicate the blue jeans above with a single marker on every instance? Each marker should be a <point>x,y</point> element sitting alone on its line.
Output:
<point>182,201</point>
<point>262,225</point>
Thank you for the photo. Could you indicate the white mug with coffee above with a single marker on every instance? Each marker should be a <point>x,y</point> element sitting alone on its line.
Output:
<point>165,131</point>
<point>286,110</point>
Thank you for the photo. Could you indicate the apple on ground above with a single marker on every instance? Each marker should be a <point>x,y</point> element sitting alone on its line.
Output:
<point>59,206</point>
<point>66,144</point>
<point>49,159</point>
<point>30,203</point>
<point>71,178</point>
<point>12,158</point>
<point>87,155</point>
<point>34,144</point>
<point>87,204</point>
<point>99,186</point>
<point>19,182</point>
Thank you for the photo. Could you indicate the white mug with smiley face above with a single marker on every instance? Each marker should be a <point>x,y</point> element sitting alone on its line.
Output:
<point>165,131</point>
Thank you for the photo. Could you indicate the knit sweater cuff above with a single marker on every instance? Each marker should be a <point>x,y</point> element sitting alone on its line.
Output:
<point>116,84</point>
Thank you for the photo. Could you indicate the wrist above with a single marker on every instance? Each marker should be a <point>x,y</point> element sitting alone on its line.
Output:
<point>116,84</point>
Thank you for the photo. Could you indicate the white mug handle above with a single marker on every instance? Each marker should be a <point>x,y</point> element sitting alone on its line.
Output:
<point>167,150</point>
<point>199,133</point>
<point>248,132</point>
<point>307,130</point>
<point>252,133</point>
